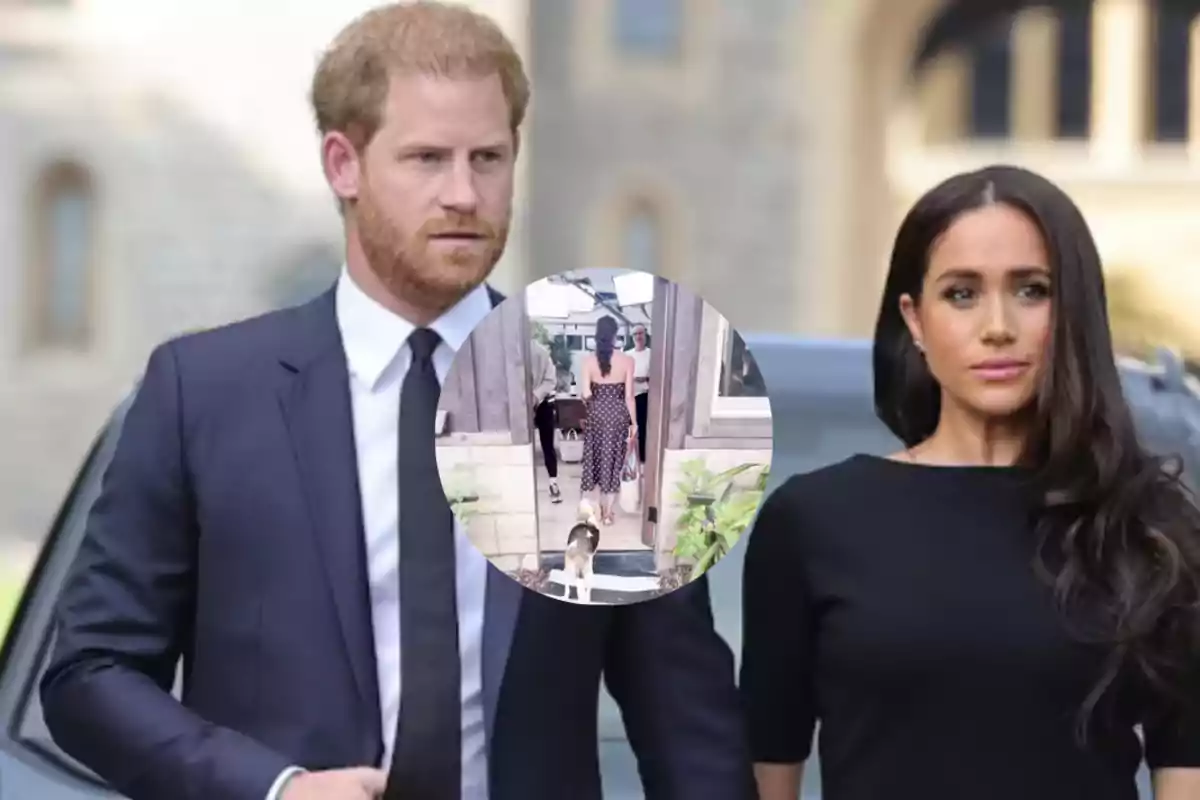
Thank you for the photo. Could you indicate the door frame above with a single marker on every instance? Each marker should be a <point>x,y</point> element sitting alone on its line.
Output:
<point>662,348</point>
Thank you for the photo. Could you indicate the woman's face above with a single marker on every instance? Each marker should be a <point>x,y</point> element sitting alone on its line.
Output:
<point>984,317</point>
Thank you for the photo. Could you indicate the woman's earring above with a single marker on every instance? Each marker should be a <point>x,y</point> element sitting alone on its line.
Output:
<point>920,346</point>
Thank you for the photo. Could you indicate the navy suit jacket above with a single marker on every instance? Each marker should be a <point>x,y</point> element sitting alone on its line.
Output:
<point>228,534</point>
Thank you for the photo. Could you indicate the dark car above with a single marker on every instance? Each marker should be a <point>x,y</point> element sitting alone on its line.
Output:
<point>821,402</point>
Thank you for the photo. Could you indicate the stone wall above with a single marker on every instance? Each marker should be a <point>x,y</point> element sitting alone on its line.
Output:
<point>188,235</point>
<point>604,139</point>
<point>502,521</point>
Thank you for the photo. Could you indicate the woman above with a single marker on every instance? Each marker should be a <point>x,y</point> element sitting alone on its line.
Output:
<point>989,613</point>
<point>641,389</point>
<point>607,385</point>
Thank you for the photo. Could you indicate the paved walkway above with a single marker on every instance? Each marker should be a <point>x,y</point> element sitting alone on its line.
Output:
<point>555,520</point>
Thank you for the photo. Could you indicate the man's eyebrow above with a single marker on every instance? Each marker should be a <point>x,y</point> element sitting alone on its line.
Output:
<point>443,148</point>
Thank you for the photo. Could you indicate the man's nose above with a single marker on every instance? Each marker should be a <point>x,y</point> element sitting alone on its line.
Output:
<point>458,191</point>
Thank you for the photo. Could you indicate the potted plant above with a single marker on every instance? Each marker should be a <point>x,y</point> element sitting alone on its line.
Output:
<point>560,354</point>
<point>716,511</point>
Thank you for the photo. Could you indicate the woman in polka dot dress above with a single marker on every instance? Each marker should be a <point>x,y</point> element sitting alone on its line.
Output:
<point>607,386</point>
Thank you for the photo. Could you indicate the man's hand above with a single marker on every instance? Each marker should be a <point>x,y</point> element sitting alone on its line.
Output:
<point>360,783</point>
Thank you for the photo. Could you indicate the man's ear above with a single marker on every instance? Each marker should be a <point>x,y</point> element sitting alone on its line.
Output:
<point>342,165</point>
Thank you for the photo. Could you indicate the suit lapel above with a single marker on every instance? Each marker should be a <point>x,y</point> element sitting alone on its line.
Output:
<point>495,296</point>
<point>499,620</point>
<point>316,408</point>
<point>499,623</point>
<point>315,402</point>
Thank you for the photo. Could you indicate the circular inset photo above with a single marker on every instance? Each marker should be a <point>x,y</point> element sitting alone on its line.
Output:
<point>604,436</point>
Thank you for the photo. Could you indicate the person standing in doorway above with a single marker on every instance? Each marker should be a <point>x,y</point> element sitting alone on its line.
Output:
<point>608,395</point>
<point>641,389</point>
<point>544,374</point>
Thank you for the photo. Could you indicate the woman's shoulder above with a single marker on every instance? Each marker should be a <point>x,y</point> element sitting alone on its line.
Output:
<point>816,508</point>
<point>830,485</point>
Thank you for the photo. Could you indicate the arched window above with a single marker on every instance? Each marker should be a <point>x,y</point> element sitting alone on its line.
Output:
<point>985,31</point>
<point>641,240</point>
<point>991,81</point>
<point>62,258</point>
<point>1170,67</point>
<point>1074,95</point>
<point>648,28</point>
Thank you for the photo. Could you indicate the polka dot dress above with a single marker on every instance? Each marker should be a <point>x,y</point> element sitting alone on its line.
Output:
<point>605,438</point>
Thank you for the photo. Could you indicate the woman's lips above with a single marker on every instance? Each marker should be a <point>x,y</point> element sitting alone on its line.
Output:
<point>1000,369</point>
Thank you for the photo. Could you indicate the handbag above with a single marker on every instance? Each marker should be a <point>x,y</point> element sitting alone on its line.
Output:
<point>570,448</point>
<point>630,497</point>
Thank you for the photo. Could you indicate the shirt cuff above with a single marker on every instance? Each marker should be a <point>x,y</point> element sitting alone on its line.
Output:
<point>284,777</point>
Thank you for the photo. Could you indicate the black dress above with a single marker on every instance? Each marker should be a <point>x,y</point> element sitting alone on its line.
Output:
<point>897,605</point>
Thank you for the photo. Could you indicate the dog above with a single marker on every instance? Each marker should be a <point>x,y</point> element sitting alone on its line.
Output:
<point>582,543</point>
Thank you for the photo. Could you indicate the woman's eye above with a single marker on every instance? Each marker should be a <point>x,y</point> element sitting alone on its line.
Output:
<point>1035,291</point>
<point>958,294</point>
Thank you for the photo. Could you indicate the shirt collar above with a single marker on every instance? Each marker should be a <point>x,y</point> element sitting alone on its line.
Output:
<point>373,336</point>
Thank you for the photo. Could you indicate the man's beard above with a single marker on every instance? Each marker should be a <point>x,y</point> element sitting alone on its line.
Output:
<point>416,274</point>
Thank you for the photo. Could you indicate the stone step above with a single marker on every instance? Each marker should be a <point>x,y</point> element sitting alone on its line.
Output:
<point>618,563</point>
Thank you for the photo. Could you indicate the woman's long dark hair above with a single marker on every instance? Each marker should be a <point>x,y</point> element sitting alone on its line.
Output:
<point>606,333</point>
<point>1119,534</point>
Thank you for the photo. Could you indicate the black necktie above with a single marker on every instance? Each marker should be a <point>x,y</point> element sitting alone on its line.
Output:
<point>426,764</point>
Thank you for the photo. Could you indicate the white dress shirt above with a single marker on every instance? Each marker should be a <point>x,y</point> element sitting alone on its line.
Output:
<point>641,369</point>
<point>374,340</point>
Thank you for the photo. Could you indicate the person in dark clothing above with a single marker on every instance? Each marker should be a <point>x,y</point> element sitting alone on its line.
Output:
<point>992,612</point>
<point>272,519</point>
<point>544,376</point>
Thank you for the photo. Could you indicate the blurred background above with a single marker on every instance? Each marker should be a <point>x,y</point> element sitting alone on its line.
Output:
<point>159,168</point>
<point>159,173</point>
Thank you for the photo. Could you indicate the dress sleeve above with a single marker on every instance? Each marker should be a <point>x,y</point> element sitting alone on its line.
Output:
<point>777,654</point>
<point>1172,728</point>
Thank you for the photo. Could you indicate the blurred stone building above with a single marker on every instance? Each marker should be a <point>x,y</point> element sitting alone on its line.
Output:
<point>759,152</point>
<point>1103,97</point>
<point>159,173</point>
<point>666,136</point>
<point>124,218</point>
<point>763,151</point>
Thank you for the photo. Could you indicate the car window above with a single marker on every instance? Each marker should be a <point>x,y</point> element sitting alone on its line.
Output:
<point>29,644</point>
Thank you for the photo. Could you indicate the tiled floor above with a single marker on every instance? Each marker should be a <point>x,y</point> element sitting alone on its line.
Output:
<point>555,520</point>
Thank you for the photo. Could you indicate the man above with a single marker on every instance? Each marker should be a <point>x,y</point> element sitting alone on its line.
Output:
<point>641,390</point>
<point>272,514</point>
<point>545,380</point>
